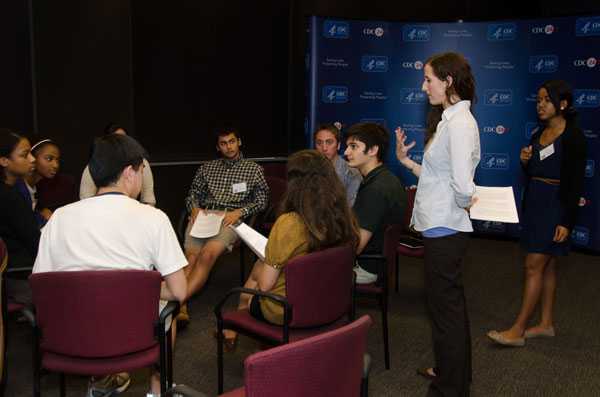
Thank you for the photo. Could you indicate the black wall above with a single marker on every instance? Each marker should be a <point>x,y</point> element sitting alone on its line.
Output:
<point>16,105</point>
<point>171,71</point>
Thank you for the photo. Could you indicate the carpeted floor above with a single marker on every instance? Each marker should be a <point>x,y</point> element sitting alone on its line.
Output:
<point>568,365</point>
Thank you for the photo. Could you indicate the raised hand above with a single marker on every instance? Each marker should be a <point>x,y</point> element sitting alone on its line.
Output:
<point>526,153</point>
<point>401,147</point>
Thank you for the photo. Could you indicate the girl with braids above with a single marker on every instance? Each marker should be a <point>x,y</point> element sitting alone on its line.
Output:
<point>45,189</point>
<point>314,216</point>
<point>554,163</point>
<point>444,196</point>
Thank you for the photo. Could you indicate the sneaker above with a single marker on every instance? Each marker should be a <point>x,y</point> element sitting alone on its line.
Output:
<point>110,385</point>
<point>363,276</point>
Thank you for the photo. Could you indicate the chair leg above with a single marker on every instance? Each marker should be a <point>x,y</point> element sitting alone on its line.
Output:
<point>364,387</point>
<point>384,325</point>
<point>397,278</point>
<point>220,357</point>
<point>63,385</point>
<point>169,359</point>
<point>36,363</point>
<point>162,342</point>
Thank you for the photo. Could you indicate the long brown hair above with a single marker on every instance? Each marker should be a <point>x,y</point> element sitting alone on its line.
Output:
<point>317,195</point>
<point>450,64</point>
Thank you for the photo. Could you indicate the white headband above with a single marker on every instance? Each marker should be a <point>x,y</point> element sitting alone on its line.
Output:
<point>39,143</point>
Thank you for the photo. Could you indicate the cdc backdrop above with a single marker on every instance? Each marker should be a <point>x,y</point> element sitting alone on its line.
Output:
<point>372,71</point>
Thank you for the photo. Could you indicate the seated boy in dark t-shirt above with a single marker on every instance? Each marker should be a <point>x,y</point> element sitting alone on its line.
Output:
<point>381,198</point>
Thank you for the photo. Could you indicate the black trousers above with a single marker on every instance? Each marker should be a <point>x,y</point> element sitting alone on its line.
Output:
<point>448,312</point>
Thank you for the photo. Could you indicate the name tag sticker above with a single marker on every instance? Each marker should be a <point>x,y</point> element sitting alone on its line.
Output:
<point>239,187</point>
<point>547,152</point>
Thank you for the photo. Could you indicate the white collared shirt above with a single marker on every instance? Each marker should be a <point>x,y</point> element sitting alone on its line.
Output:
<point>446,182</point>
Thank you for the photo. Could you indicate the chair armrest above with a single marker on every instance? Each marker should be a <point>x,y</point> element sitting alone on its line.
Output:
<point>29,313</point>
<point>171,308</point>
<point>280,300</point>
<point>366,365</point>
<point>24,269</point>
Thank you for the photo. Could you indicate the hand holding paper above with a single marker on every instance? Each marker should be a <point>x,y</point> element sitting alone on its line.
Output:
<point>494,204</point>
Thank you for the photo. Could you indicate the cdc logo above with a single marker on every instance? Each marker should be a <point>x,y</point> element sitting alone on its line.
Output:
<point>336,29</point>
<point>380,122</point>
<point>590,168</point>
<point>548,29</point>
<point>495,161</point>
<point>543,64</point>
<point>374,63</point>
<point>530,129</point>
<point>335,94</point>
<point>417,65</point>
<point>501,31</point>
<point>416,33</point>
<point>498,129</point>
<point>412,96</point>
<point>587,98</point>
<point>591,62</point>
<point>587,26</point>
<point>580,235</point>
<point>498,97</point>
<point>378,31</point>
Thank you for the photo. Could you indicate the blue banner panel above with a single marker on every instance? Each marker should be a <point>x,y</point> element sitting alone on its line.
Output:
<point>373,71</point>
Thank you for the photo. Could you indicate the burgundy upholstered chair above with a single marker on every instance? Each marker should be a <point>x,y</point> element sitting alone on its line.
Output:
<point>319,298</point>
<point>379,289</point>
<point>326,365</point>
<point>409,244</point>
<point>277,188</point>
<point>99,323</point>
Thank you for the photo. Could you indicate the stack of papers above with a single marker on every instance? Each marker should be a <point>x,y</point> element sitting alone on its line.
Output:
<point>207,224</point>
<point>495,204</point>
<point>253,239</point>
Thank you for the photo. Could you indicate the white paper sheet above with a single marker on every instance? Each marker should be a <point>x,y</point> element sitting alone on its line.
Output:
<point>495,204</point>
<point>253,239</point>
<point>207,224</point>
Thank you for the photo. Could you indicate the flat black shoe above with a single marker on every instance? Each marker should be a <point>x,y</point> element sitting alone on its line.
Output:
<point>424,372</point>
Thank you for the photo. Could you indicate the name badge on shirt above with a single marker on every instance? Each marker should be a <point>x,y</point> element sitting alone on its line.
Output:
<point>239,187</point>
<point>547,152</point>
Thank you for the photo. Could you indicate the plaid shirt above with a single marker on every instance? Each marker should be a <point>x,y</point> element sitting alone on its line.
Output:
<point>213,185</point>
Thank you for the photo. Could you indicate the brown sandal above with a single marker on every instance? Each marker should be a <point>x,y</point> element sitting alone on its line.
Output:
<point>427,373</point>
<point>229,344</point>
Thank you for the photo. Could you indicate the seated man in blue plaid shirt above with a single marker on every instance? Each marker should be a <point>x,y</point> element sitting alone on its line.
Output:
<point>230,184</point>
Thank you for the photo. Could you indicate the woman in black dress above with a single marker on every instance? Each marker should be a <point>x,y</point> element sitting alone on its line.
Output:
<point>554,163</point>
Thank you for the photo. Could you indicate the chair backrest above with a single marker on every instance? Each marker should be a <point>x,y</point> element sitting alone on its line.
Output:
<point>329,364</point>
<point>319,286</point>
<point>392,235</point>
<point>96,313</point>
<point>277,188</point>
<point>411,193</point>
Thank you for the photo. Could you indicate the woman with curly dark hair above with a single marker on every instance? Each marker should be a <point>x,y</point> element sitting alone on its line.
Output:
<point>314,215</point>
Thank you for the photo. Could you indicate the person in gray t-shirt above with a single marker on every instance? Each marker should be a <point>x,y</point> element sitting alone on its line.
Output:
<point>327,142</point>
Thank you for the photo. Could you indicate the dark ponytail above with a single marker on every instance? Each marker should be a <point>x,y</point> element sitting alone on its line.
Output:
<point>8,142</point>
